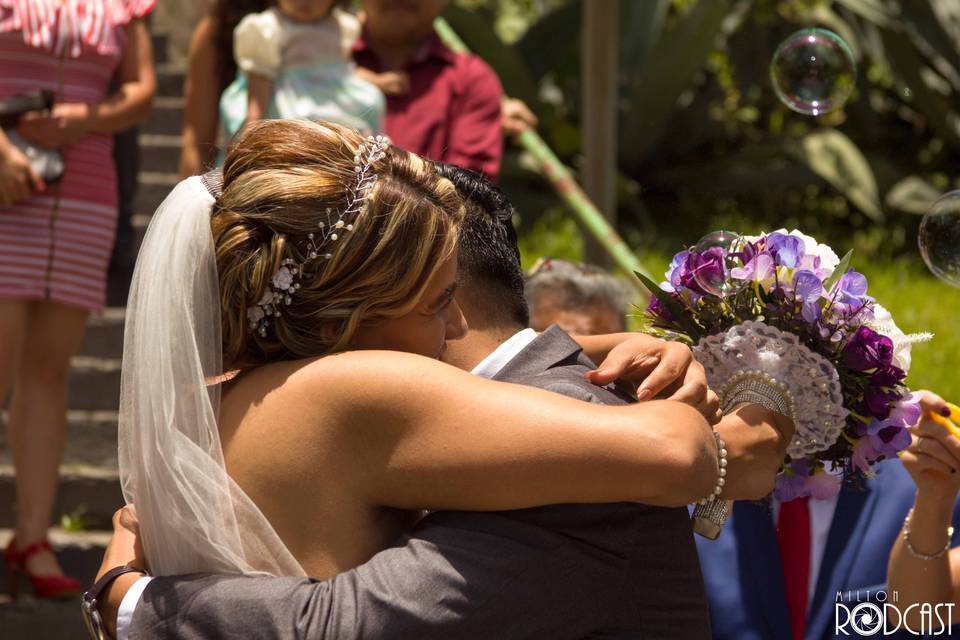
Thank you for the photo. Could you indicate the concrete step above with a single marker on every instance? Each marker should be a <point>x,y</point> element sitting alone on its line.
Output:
<point>170,79</point>
<point>33,619</point>
<point>153,187</point>
<point>94,491</point>
<point>104,336</point>
<point>161,44</point>
<point>166,117</point>
<point>91,440</point>
<point>94,384</point>
<point>30,618</point>
<point>160,152</point>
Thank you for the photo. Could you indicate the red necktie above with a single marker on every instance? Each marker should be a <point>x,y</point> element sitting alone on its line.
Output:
<point>793,536</point>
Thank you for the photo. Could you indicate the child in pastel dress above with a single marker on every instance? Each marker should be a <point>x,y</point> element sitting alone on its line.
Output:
<point>293,61</point>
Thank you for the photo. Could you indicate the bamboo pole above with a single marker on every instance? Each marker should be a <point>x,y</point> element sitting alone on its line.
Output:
<point>598,73</point>
<point>562,180</point>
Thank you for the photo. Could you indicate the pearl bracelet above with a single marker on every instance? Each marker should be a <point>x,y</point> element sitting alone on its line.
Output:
<point>722,464</point>
<point>914,552</point>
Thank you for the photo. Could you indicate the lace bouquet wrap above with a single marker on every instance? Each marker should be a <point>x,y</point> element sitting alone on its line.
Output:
<point>780,320</point>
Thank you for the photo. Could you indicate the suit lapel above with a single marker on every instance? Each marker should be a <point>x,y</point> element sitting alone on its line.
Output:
<point>544,351</point>
<point>843,542</point>
<point>760,565</point>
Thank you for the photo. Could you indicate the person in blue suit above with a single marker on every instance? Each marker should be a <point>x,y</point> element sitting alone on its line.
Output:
<point>851,539</point>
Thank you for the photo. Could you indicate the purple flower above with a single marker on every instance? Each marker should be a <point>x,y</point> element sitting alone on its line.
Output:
<point>864,454</point>
<point>868,350</point>
<point>675,270</point>
<point>877,401</point>
<point>808,290</point>
<point>658,309</point>
<point>705,270</point>
<point>798,483</point>
<point>789,486</point>
<point>889,377</point>
<point>822,485</point>
<point>851,289</point>
<point>891,435</point>
<point>786,249</point>
<point>760,269</point>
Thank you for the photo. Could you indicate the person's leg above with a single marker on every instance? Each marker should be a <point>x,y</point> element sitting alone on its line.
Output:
<point>37,428</point>
<point>13,326</point>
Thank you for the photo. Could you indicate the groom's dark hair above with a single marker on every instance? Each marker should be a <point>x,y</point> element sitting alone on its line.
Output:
<point>489,256</point>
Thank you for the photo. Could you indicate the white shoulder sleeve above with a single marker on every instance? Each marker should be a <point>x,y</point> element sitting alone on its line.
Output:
<point>349,31</point>
<point>257,43</point>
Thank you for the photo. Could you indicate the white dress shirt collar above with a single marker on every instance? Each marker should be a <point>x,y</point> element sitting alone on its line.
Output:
<point>507,351</point>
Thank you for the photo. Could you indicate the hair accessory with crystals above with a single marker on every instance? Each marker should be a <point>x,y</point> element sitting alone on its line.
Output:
<point>286,281</point>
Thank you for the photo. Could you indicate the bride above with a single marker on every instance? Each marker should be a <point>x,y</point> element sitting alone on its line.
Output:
<point>283,409</point>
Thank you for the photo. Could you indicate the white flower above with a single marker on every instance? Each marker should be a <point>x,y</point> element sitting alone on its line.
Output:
<point>267,299</point>
<point>255,315</point>
<point>282,279</point>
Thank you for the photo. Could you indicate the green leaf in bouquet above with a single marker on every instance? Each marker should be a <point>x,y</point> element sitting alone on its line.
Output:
<point>674,307</point>
<point>838,272</point>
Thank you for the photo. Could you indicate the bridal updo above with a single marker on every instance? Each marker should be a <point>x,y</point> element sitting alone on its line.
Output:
<point>279,179</point>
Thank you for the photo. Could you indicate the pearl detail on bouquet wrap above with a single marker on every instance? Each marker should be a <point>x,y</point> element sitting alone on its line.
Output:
<point>754,360</point>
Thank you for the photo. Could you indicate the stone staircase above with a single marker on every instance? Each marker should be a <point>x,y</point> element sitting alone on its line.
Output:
<point>89,486</point>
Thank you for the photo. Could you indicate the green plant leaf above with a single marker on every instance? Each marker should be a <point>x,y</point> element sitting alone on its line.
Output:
<point>681,314</point>
<point>913,194</point>
<point>839,271</point>
<point>641,23</point>
<point>478,34</point>
<point>672,63</point>
<point>834,157</point>
<point>874,11</point>
<point>930,36</point>
<point>907,63</point>
<point>558,33</point>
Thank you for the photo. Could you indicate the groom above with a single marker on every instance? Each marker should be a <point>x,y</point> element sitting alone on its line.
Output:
<point>565,571</point>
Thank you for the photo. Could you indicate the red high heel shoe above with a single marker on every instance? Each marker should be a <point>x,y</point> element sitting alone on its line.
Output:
<point>43,586</point>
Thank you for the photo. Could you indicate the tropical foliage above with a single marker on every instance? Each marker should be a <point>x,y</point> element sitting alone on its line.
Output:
<point>704,141</point>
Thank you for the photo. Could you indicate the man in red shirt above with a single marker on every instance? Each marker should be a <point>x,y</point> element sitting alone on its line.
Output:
<point>445,106</point>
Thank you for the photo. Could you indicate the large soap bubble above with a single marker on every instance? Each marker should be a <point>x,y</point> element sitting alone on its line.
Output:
<point>721,252</point>
<point>813,71</point>
<point>939,238</point>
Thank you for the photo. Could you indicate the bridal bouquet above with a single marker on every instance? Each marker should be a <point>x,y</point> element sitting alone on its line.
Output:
<point>780,315</point>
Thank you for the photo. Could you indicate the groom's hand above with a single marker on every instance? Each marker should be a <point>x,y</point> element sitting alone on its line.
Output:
<point>659,369</point>
<point>756,440</point>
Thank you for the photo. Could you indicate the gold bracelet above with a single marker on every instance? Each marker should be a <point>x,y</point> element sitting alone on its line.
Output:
<point>913,551</point>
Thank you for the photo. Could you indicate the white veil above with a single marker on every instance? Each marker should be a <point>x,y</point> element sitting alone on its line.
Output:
<point>193,516</point>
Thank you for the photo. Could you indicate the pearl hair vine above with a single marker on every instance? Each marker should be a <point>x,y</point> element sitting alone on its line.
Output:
<point>286,281</point>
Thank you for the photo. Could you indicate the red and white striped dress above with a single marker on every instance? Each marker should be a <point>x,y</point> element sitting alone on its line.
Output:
<point>55,246</point>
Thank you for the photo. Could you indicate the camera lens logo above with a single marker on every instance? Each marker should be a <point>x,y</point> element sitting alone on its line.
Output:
<point>866,619</point>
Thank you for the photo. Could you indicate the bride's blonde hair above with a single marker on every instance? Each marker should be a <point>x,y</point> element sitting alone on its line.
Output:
<point>278,178</point>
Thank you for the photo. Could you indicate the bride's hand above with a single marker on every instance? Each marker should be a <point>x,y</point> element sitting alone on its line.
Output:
<point>124,546</point>
<point>658,367</point>
<point>933,458</point>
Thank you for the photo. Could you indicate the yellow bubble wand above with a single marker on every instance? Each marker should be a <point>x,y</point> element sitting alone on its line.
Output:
<point>951,422</point>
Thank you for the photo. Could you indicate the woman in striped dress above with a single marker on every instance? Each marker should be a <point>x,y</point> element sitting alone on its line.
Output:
<point>56,239</point>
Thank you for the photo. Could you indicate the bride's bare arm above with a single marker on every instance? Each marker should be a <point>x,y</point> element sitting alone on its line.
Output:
<point>427,435</point>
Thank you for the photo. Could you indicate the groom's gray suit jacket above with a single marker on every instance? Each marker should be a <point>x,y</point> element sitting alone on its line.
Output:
<point>618,570</point>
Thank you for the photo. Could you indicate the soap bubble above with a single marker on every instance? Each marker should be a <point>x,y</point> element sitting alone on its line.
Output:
<point>721,251</point>
<point>939,238</point>
<point>813,71</point>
